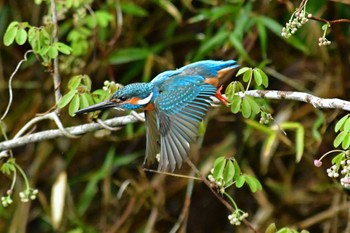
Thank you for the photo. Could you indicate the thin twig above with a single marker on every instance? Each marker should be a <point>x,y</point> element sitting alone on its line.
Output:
<point>10,83</point>
<point>55,75</point>
<point>330,21</point>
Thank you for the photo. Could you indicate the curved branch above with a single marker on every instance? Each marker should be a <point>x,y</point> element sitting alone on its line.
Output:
<point>315,101</point>
<point>76,130</point>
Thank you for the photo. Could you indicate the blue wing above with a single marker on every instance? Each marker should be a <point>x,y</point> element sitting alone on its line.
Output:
<point>206,69</point>
<point>179,111</point>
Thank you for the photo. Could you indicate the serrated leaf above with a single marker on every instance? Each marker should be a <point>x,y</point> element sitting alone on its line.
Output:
<point>10,33</point>
<point>236,104</point>
<point>66,99</point>
<point>21,36</point>
<point>103,18</point>
<point>74,105</point>
<point>346,141</point>
<point>341,122</point>
<point>246,108</point>
<point>257,77</point>
<point>242,70</point>
<point>229,172</point>
<point>253,183</point>
<point>219,165</point>
<point>339,139</point>
<point>74,82</point>
<point>52,52</point>
<point>239,181</point>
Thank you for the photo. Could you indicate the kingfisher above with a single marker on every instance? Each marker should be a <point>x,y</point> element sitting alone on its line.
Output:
<point>175,102</point>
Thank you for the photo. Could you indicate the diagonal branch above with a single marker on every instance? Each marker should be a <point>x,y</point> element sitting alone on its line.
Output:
<point>315,101</point>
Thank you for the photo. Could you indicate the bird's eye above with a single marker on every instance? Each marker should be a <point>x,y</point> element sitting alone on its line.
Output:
<point>122,98</point>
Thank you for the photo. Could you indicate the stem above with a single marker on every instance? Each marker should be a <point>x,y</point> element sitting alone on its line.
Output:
<point>231,199</point>
<point>23,175</point>
<point>55,76</point>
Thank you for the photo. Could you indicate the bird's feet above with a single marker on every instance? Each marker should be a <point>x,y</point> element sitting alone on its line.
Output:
<point>220,97</point>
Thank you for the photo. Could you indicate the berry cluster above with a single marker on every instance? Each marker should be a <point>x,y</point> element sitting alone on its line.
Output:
<point>218,182</point>
<point>237,217</point>
<point>6,201</point>
<point>341,168</point>
<point>322,41</point>
<point>28,194</point>
<point>298,19</point>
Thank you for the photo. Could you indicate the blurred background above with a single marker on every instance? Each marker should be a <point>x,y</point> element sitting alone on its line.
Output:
<point>106,188</point>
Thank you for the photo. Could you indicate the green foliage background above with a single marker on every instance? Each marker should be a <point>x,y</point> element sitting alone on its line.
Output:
<point>129,41</point>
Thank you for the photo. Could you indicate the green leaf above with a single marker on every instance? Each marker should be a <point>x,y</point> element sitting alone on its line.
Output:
<point>229,172</point>
<point>103,18</point>
<point>219,166</point>
<point>74,82</point>
<point>66,98</point>
<point>131,9</point>
<point>237,169</point>
<point>255,108</point>
<point>247,75</point>
<point>346,126</point>
<point>240,181</point>
<point>257,77</point>
<point>52,52</point>
<point>341,122</point>
<point>236,104</point>
<point>338,158</point>
<point>63,48</point>
<point>346,141</point>
<point>242,70</point>
<point>169,7</point>
<point>84,100</point>
<point>246,108</point>
<point>87,81</point>
<point>8,167</point>
<point>271,228</point>
<point>10,33</point>
<point>253,183</point>
<point>74,105</point>
<point>128,55</point>
<point>339,139</point>
<point>265,79</point>
<point>21,36</point>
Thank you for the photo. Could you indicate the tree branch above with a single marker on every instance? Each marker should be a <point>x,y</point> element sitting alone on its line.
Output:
<point>315,101</point>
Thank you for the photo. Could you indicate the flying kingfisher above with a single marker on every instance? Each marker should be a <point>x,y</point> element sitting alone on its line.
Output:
<point>175,102</point>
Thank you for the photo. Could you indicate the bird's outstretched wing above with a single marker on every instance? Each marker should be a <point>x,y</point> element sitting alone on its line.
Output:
<point>179,110</point>
<point>152,143</point>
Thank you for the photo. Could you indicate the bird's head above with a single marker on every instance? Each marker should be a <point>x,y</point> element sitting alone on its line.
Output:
<point>129,97</point>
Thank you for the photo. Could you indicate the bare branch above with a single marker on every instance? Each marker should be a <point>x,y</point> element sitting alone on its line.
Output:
<point>76,130</point>
<point>317,102</point>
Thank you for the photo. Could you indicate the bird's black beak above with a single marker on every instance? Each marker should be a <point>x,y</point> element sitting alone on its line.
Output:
<point>100,106</point>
